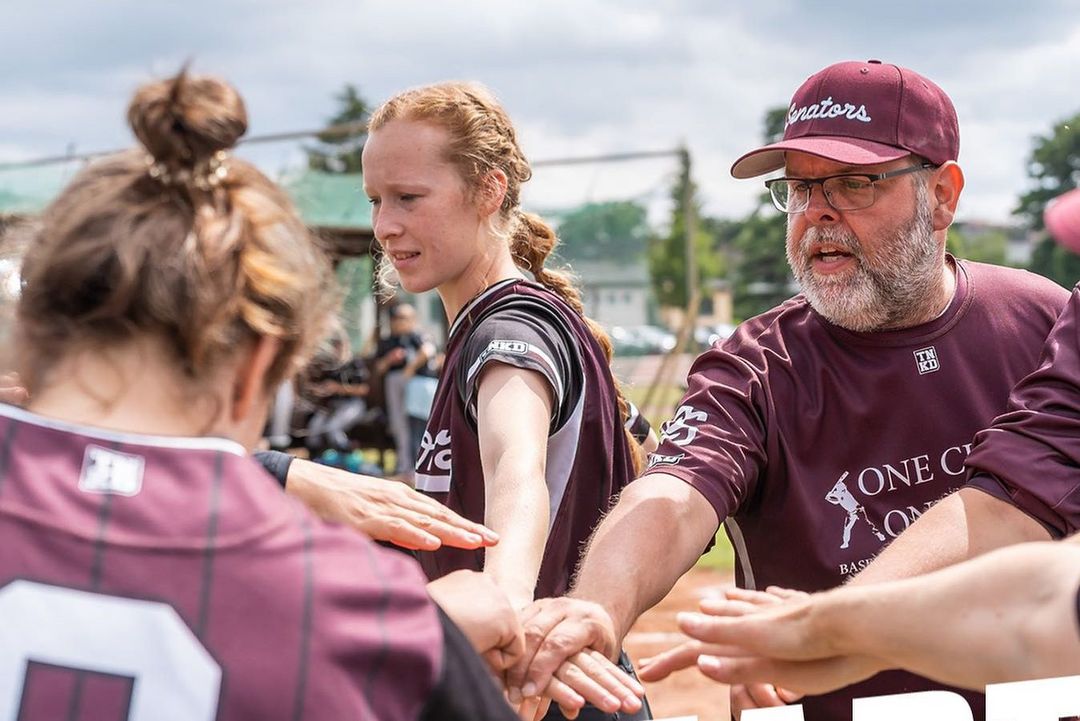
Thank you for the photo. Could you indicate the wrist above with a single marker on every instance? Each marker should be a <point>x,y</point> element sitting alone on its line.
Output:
<point>616,617</point>
<point>833,617</point>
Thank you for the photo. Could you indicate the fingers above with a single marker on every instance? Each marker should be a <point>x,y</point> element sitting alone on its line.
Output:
<point>439,521</point>
<point>569,700</point>
<point>528,708</point>
<point>758,598</point>
<point>393,512</point>
<point>798,677</point>
<point>664,664</point>
<point>786,593</point>
<point>555,630</point>
<point>509,650</point>
<point>726,607</point>
<point>537,620</point>
<point>11,390</point>
<point>601,682</point>
<point>730,633</point>
<point>399,532</point>
<point>744,698</point>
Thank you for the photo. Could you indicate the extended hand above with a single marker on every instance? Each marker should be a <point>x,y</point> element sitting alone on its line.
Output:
<point>751,637</point>
<point>569,644</point>
<point>483,613</point>
<point>384,510</point>
<point>11,390</point>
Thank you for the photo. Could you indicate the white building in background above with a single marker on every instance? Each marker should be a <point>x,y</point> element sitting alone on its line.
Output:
<point>614,294</point>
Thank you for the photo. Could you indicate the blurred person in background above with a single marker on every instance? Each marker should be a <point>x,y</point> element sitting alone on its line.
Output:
<point>398,357</point>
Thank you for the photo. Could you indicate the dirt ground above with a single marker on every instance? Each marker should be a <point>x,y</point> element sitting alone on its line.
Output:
<point>686,693</point>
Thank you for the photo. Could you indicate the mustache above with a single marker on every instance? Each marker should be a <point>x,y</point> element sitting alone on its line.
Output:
<point>845,241</point>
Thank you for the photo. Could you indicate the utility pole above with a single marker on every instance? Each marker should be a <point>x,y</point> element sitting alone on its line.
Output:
<point>664,372</point>
<point>690,218</point>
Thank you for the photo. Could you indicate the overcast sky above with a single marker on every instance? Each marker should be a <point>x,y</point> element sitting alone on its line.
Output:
<point>579,77</point>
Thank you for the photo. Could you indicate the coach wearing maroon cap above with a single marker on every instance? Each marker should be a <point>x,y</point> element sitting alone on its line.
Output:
<point>826,426</point>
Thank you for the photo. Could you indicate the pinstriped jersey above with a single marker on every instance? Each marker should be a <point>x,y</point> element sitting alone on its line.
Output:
<point>588,457</point>
<point>170,578</point>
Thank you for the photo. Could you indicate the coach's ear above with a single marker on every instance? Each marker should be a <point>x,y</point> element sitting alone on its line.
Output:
<point>249,381</point>
<point>946,184</point>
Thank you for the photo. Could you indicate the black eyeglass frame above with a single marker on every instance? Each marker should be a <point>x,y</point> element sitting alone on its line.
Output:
<point>871,179</point>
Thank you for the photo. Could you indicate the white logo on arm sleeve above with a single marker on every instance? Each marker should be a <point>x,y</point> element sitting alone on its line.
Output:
<point>681,429</point>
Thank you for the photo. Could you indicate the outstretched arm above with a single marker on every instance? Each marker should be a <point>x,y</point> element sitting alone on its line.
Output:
<point>1010,615</point>
<point>384,510</point>
<point>653,535</point>
<point>513,409</point>
<point>961,526</point>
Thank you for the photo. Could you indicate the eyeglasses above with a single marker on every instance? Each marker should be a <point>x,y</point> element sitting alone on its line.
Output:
<point>842,192</point>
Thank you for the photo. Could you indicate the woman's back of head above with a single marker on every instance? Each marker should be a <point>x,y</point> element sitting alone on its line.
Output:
<point>178,241</point>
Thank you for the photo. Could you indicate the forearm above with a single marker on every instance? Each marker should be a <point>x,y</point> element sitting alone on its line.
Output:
<point>514,457</point>
<point>653,535</point>
<point>1006,616</point>
<point>517,510</point>
<point>961,526</point>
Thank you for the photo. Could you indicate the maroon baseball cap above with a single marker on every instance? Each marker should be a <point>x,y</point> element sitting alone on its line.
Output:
<point>862,113</point>
<point>1062,219</point>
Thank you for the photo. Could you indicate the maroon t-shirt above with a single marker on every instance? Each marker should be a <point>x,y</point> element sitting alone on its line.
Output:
<point>819,445</point>
<point>588,456</point>
<point>1030,457</point>
<point>170,578</point>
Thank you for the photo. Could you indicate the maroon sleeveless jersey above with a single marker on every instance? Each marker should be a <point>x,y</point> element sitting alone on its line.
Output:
<point>588,456</point>
<point>170,578</point>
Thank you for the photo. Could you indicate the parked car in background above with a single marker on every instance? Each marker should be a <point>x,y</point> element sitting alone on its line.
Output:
<point>706,335</point>
<point>641,340</point>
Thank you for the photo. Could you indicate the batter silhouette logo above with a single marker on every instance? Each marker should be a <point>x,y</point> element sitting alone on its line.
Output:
<point>926,360</point>
<point>841,496</point>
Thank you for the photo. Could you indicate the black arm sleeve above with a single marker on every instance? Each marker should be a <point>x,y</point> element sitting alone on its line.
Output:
<point>466,690</point>
<point>276,464</point>
<point>638,425</point>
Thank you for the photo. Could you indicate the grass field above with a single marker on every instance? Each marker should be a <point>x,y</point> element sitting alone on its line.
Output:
<point>720,557</point>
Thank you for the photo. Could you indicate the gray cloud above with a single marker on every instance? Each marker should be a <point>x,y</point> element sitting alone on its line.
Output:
<point>579,77</point>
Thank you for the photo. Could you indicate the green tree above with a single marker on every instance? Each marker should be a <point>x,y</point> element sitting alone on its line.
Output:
<point>1054,168</point>
<point>667,253</point>
<point>339,152</point>
<point>761,277</point>
<point>986,247</point>
<point>613,231</point>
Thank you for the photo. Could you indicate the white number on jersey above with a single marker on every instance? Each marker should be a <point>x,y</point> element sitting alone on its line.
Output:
<point>175,676</point>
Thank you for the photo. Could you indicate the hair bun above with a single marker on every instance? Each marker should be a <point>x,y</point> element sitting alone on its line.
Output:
<point>184,120</point>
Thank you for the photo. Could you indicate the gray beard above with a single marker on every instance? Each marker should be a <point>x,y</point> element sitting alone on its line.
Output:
<point>894,293</point>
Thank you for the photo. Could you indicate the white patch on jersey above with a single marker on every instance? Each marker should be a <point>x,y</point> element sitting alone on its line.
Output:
<point>108,471</point>
<point>926,360</point>
<point>681,430</point>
